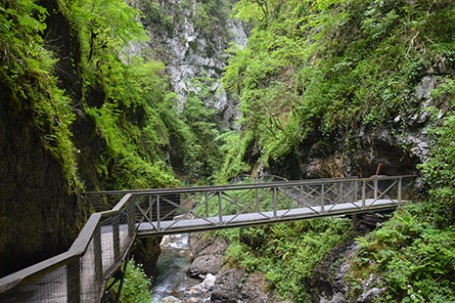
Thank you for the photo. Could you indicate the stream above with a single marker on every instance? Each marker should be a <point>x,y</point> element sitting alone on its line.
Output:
<point>172,283</point>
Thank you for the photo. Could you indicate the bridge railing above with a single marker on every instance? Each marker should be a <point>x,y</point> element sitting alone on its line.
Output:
<point>80,274</point>
<point>202,208</point>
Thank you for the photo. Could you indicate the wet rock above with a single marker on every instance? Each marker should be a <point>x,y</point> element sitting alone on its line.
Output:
<point>218,247</point>
<point>205,285</point>
<point>206,264</point>
<point>209,255</point>
<point>370,295</point>
<point>170,299</point>
<point>234,285</point>
<point>227,288</point>
<point>254,289</point>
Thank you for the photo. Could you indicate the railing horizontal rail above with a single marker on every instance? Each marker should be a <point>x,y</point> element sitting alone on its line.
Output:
<point>228,187</point>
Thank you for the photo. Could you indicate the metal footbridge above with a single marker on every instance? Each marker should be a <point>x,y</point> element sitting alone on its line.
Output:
<point>81,273</point>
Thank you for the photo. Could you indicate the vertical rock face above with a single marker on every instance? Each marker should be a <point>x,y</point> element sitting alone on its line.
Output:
<point>39,215</point>
<point>193,48</point>
<point>34,203</point>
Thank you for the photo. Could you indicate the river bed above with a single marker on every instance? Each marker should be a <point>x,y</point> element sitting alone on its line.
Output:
<point>172,282</point>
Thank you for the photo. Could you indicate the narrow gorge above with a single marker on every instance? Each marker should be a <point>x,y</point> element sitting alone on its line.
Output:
<point>148,94</point>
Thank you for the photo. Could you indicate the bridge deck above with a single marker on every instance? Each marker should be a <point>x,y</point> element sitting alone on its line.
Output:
<point>257,218</point>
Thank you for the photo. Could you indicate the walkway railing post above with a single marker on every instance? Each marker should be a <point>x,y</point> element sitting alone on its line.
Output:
<point>73,281</point>
<point>98,257</point>
<point>274,203</point>
<point>116,237</point>
<point>356,191</point>
<point>256,198</point>
<point>131,220</point>
<point>158,213</point>
<point>206,202</point>
<point>322,198</point>
<point>376,189</point>
<point>220,208</point>
<point>363,193</point>
<point>150,209</point>
<point>399,188</point>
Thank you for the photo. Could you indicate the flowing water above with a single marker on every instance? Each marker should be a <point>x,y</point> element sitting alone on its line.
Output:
<point>171,279</point>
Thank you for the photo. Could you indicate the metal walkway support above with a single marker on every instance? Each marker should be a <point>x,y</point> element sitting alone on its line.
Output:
<point>81,273</point>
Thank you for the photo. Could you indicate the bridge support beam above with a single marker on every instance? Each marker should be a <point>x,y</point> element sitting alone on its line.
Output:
<point>354,223</point>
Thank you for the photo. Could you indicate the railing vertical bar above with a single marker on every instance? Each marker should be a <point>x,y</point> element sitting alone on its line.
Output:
<point>150,209</point>
<point>206,202</point>
<point>98,256</point>
<point>399,189</point>
<point>341,193</point>
<point>256,198</point>
<point>116,237</point>
<point>131,220</point>
<point>73,281</point>
<point>274,203</point>
<point>356,191</point>
<point>376,189</point>
<point>158,213</point>
<point>363,194</point>
<point>220,209</point>
<point>322,198</point>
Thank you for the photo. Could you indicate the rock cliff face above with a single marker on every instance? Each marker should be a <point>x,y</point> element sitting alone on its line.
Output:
<point>193,45</point>
<point>38,216</point>
<point>360,154</point>
<point>35,204</point>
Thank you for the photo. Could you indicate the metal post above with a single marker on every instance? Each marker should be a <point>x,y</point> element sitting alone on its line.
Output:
<point>256,198</point>
<point>131,220</point>
<point>375,185</point>
<point>274,202</point>
<point>341,194</point>
<point>73,281</point>
<point>158,213</point>
<point>116,237</point>
<point>322,198</point>
<point>206,204</point>
<point>399,189</point>
<point>150,209</point>
<point>363,193</point>
<point>220,209</point>
<point>356,191</point>
<point>98,257</point>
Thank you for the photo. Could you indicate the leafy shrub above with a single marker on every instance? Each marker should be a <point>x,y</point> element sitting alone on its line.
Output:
<point>136,285</point>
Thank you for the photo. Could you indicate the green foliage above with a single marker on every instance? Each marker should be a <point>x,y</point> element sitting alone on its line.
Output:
<point>202,154</point>
<point>136,287</point>
<point>27,77</point>
<point>439,171</point>
<point>285,253</point>
<point>318,69</point>
<point>415,258</point>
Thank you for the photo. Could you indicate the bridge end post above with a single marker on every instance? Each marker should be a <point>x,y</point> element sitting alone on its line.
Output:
<point>73,281</point>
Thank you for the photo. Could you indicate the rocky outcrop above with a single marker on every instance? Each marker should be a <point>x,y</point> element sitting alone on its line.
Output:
<point>193,48</point>
<point>229,285</point>
<point>208,255</point>
<point>399,145</point>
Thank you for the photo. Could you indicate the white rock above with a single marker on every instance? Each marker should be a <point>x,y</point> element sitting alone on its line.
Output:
<point>170,299</point>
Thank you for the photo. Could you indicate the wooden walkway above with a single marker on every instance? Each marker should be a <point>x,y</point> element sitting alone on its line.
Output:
<point>81,273</point>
